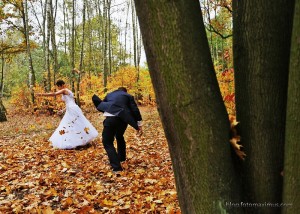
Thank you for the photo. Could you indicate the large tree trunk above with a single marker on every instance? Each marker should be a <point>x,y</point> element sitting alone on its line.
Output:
<point>291,196</point>
<point>190,104</point>
<point>261,42</point>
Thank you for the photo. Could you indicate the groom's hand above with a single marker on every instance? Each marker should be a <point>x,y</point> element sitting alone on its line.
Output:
<point>96,100</point>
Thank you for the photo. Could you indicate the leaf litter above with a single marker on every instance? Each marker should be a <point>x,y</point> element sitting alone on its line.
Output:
<point>36,178</point>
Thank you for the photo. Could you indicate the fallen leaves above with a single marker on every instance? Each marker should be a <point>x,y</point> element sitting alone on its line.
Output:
<point>86,129</point>
<point>36,178</point>
<point>235,139</point>
<point>61,132</point>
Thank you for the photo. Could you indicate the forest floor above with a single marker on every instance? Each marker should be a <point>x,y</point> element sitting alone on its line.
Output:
<point>36,178</point>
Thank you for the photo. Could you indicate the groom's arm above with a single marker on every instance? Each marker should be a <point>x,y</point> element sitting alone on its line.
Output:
<point>96,100</point>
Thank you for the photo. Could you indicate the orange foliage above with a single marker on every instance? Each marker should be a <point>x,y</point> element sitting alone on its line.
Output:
<point>89,85</point>
<point>126,77</point>
<point>226,84</point>
<point>21,98</point>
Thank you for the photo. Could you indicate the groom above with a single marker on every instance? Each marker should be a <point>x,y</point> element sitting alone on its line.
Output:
<point>120,109</point>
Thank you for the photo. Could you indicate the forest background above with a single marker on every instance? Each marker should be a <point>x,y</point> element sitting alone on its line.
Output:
<point>43,41</point>
<point>95,46</point>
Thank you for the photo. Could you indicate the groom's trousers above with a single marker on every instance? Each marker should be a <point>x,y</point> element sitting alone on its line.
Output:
<point>114,127</point>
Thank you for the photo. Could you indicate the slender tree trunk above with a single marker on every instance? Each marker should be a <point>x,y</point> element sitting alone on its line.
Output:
<point>138,51</point>
<point>2,112</point>
<point>133,18</point>
<point>53,37</point>
<point>101,30</point>
<point>48,63</point>
<point>291,196</point>
<point>105,60</point>
<point>81,52</point>
<point>66,24</point>
<point>261,42</point>
<point>42,26</point>
<point>125,34</point>
<point>2,74</point>
<point>24,12</point>
<point>45,47</point>
<point>109,38</point>
<point>73,46</point>
<point>190,104</point>
<point>90,52</point>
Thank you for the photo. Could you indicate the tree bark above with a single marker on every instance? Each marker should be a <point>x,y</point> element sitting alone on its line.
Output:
<point>24,11</point>
<point>105,44</point>
<point>2,112</point>
<point>81,52</point>
<point>2,74</point>
<point>190,104</point>
<point>261,45</point>
<point>291,196</point>
<point>73,46</point>
<point>52,30</point>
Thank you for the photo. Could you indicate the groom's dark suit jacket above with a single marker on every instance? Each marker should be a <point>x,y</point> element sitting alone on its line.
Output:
<point>120,104</point>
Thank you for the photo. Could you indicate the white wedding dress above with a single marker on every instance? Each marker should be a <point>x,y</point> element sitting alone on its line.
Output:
<point>74,129</point>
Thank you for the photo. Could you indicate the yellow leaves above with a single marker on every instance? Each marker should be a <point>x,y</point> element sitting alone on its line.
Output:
<point>64,164</point>
<point>67,202</point>
<point>109,203</point>
<point>46,210</point>
<point>49,126</point>
<point>61,132</point>
<point>51,192</point>
<point>86,129</point>
<point>150,181</point>
<point>2,167</point>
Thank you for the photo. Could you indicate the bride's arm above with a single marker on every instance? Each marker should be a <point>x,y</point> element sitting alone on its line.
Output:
<point>52,94</point>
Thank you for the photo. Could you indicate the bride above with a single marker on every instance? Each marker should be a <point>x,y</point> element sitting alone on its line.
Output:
<point>74,129</point>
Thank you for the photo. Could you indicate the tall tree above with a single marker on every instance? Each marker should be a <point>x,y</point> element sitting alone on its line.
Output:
<point>190,104</point>
<point>24,11</point>
<point>106,9</point>
<point>136,41</point>
<point>52,16</point>
<point>81,51</point>
<point>261,45</point>
<point>89,51</point>
<point>292,147</point>
<point>73,44</point>
<point>42,27</point>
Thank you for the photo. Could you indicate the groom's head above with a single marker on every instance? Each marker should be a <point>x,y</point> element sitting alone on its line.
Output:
<point>122,89</point>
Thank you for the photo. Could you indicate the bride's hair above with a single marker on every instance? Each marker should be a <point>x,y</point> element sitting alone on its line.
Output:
<point>60,83</point>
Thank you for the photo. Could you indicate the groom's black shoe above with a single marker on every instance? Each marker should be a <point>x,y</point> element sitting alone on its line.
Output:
<point>117,172</point>
<point>96,100</point>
